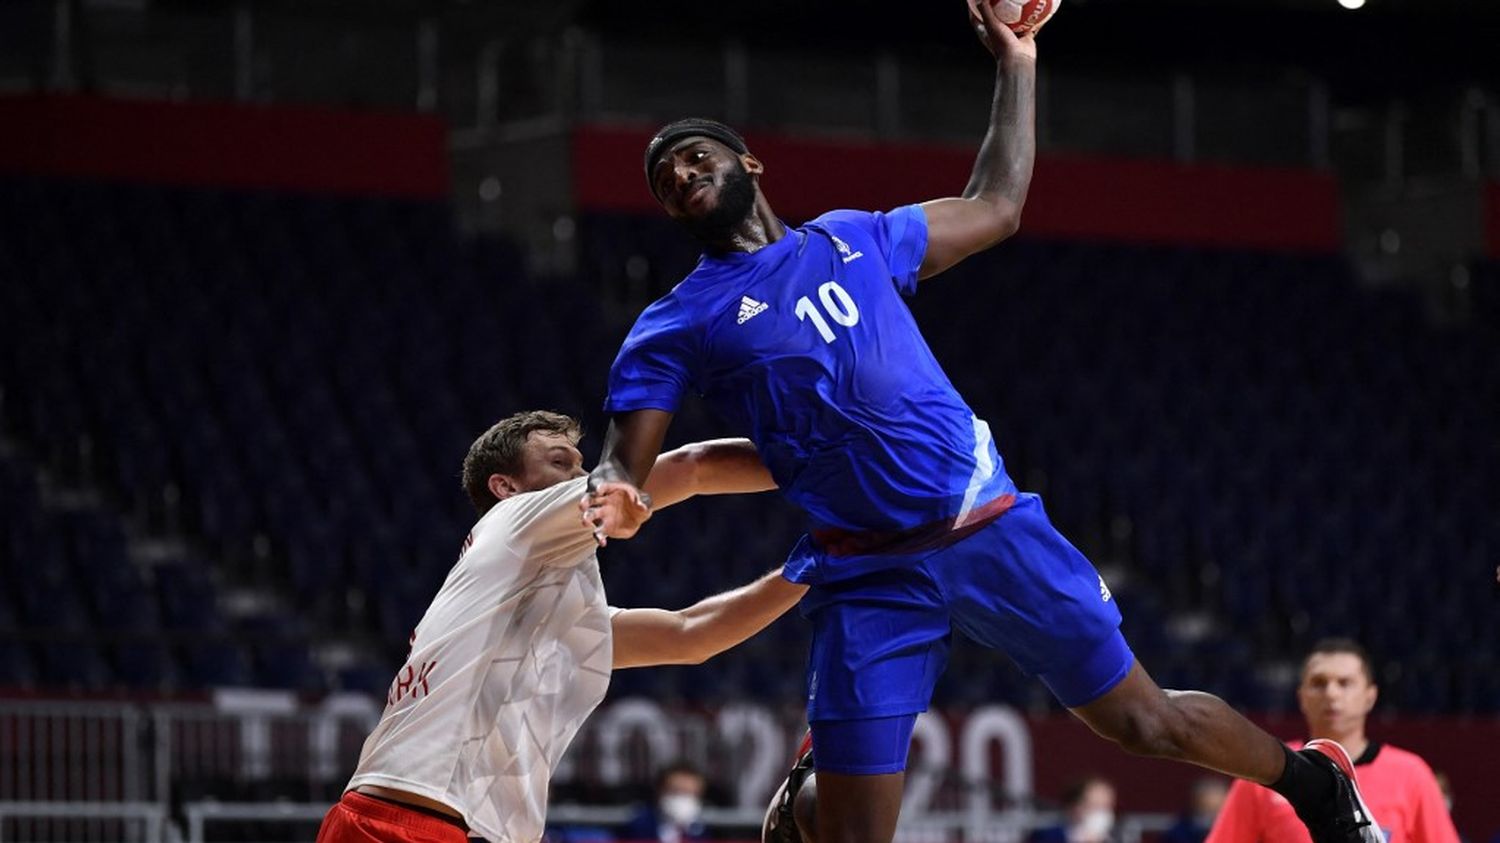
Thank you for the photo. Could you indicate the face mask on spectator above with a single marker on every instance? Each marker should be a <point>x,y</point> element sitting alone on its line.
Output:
<point>1096,824</point>
<point>681,808</point>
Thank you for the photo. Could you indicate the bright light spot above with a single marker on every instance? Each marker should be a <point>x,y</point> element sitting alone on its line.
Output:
<point>1352,4</point>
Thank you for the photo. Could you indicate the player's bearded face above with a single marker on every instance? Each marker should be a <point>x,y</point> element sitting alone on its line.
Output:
<point>736,196</point>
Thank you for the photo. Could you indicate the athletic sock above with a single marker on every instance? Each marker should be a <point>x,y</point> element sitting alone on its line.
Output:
<point>1305,784</point>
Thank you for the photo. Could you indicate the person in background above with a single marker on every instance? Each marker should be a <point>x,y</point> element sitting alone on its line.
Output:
<point>677,814</point>
<point>1336,695</point>
<point>1088,814</point>
<point>1207,797</point>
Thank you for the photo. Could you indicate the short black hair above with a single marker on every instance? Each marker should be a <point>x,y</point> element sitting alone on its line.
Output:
<point>684,128</point>
<point>498,450</point>
<point>1330,646</point>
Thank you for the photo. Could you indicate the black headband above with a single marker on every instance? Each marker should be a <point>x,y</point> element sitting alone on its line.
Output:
<point>677,130</point>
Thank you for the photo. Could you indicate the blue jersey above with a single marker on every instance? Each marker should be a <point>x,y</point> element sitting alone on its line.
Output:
<point>806,348</point>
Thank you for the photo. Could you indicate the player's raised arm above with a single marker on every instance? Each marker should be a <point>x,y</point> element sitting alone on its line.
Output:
<point>645,637</point>
<point>990,209</point>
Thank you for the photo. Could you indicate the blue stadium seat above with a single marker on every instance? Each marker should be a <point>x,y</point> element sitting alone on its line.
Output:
<point>294,380</point>
<point>215,664</point>
<point>187,597</point>
<point>17,668</point>
<point>67,665</point>
<point>145,666</point>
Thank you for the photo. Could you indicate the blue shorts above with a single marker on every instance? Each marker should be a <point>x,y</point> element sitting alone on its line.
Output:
<point>869,747</point>
<point>881,639</point>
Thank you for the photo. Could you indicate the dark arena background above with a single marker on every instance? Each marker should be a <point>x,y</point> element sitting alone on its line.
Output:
<point>267,269</point>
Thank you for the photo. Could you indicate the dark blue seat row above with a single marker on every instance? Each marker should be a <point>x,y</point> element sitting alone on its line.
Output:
<point>286,386</point>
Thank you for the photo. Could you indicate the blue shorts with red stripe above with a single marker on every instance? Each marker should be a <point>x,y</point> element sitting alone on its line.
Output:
<point>880,640</point>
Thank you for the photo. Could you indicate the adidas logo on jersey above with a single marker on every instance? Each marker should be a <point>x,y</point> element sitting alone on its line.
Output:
<point>749,309</point>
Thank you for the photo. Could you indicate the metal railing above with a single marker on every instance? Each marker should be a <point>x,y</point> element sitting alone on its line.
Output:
<point>71,751</point>
<point>120,822</point>
<point>199,814</point>
<point>113,770</point>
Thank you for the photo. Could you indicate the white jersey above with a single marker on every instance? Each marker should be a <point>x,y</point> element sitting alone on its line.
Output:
<point>511,657</point>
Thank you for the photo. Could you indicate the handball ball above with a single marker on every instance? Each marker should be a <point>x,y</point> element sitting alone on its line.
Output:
<point>1023,16</point>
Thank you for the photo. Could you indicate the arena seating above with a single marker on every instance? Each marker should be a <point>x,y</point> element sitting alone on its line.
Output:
<point>237,420</point>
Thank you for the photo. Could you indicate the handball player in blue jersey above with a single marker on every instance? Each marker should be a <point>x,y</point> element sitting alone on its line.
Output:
<point>799,338</point>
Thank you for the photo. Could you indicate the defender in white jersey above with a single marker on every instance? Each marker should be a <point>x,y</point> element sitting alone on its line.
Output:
<point>517,646</point>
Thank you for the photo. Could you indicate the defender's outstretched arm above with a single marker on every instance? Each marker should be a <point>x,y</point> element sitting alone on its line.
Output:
<point>645,637</point>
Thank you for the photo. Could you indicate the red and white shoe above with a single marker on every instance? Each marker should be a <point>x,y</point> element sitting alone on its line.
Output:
<point>1347,819</point>
<point>780,823</point>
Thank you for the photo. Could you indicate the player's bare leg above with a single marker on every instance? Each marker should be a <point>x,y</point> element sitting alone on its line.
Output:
<point>1188,726</point>
<point>1202,729</point>
<point>1143,719</point>
<point>858,809</point>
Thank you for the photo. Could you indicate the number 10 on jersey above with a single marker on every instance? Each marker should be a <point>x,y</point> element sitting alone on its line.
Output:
<point>836,302</point>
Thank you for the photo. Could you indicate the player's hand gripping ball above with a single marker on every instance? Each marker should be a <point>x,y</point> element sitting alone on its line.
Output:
<point>1023,16</point>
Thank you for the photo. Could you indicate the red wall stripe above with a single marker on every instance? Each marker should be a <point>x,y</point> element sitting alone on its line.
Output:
<point>1492,219</point>
<point>225,145</point>
<point>1071,196</point>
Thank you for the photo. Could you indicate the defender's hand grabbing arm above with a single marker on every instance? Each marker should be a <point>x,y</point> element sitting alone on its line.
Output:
<point>715,467</point>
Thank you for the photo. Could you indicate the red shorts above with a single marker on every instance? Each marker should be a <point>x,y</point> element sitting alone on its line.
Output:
<point>362,819</point>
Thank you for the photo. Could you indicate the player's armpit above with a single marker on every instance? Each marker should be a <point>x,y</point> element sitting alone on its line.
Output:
<point>959,227</point>
<point>646,637</point>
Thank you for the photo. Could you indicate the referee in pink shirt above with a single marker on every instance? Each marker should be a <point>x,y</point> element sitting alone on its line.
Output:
<point>1336,695</point>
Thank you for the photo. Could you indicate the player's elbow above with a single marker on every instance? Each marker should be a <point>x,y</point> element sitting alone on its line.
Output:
<point>703,636</point>
<point>996,218</point>
<point>690,643</point>
<point>1005,221</point>
<point>1012,223</point>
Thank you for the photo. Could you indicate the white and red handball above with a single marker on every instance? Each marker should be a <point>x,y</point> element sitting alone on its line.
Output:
<point>1023,16</point>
